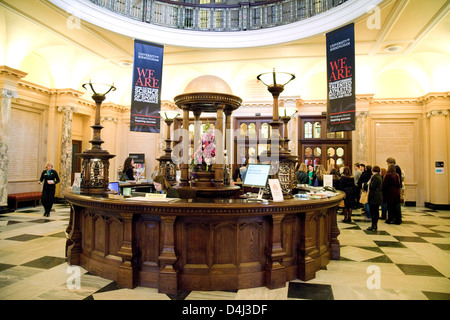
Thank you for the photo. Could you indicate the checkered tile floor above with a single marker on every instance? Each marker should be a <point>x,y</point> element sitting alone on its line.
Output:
<point>410,261</point>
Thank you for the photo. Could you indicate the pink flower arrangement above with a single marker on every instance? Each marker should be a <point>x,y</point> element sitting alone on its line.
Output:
<point>206,151</point>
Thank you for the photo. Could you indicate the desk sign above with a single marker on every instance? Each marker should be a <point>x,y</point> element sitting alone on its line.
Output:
<point>275,189</point>
<point>155,196</point>
<point>327,180</point>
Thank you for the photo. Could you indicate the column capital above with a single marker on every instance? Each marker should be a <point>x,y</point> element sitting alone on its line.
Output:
<point>362,114</point>
<point>112,119</point>
<point>5,93</point>
<point>437,113</point>
<point>67,109</point>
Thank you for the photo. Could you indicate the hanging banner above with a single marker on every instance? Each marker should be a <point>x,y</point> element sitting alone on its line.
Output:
<point>341,79</point>
<point>146,89</point>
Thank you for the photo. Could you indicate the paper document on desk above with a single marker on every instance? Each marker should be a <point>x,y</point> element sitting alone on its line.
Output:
<point>152,199</point>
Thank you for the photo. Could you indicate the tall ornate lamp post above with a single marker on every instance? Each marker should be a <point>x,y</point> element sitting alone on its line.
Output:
<point>286,116</point>
<point>95,164</point>
<point>166,165</point>
<point>282,161</point>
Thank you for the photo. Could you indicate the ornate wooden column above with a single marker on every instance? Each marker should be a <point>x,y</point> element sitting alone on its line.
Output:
<point>275,273</point>
<point>218,166</point>
<point>228,136</point>
<point>307,250</point>
<point>128,272</point>
<point>73,243</point>
<point>335,245</point>
<point>184,179</point>
<point>167,273</point>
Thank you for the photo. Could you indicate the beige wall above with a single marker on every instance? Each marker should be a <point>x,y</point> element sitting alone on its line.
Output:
<point>415,131</point>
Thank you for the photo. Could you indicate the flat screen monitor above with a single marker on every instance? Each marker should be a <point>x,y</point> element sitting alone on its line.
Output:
<point>256,175</point>
<point>114,186</point>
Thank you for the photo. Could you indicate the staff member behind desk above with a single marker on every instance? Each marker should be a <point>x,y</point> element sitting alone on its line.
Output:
<point>50,178</point>
<point>128,170</point>
<point>162,186</point>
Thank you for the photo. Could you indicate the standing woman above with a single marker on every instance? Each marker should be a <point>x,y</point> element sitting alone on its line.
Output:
<point>50,178</point>
<point>302,174</point>
<point>128,169</point>
<point>375,197</point>
<point>311,174</point>
<point>320,172</point>
<point>347,184</point>
<point>391,194</point>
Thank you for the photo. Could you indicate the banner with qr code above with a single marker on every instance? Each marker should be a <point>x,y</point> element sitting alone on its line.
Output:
<point>146,89</point>
<point>341,105</point>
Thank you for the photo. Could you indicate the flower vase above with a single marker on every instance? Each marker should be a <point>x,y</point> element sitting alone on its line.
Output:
<point>204,178</point>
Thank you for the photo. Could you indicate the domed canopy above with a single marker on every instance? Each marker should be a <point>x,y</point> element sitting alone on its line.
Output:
<point>208,83</point>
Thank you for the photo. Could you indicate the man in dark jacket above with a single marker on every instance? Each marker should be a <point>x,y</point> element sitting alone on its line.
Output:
<point>375,197</point>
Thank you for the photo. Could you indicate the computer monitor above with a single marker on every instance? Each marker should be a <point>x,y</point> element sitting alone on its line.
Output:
<point>256,175</point>
<point>114,186</point>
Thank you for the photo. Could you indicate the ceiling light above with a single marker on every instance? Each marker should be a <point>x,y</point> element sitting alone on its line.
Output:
<point>125,63</point>
<point>392,49</point>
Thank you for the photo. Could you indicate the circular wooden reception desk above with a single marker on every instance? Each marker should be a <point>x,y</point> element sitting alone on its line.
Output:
<point>204,244</point>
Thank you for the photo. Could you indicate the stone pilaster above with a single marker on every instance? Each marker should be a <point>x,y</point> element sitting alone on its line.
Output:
<point>65,168</point>
<point>439,177</point>
<point>5,115</point>
<point>9,79</point>
<point>362,135</point>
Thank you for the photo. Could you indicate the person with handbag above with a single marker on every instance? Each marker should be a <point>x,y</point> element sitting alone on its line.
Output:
<point>362,184</point>
<point>347,184</point>
<point>375,197</point>
<point>391,195</point>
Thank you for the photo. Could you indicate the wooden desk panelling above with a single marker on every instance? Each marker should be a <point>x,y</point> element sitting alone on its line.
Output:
<point>209,245</point>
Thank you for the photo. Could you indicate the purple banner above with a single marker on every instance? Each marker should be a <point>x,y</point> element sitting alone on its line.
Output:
<point>146,89</point>
<point>341,79</point>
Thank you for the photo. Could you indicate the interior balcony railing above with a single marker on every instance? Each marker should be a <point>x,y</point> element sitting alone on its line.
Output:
<point>228,15</point>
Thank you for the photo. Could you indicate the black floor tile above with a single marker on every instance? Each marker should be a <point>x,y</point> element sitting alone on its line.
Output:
<point>110,287</point>
<point>436,295</point>
<point>374,249</point>
<point>46,262</point>
<point>59,235</point>
<point>180,295</point>
<point>378,232</point>
<point>442,246</point>
<point>419,270</point>
<point>380,259</point>
<point>409,239</point>
<point>4,266</point>
<point>41,220</point>
<point>391,244</point>
<point>310,291</point>
<point>24,237</point>
<point>11,222</point>
<point>429,234</point>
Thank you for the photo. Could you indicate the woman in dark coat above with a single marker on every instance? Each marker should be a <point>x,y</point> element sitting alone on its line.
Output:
<point>375,197</point>
<point>391,194</point>
<point>347,184</point>
<point>49,178</point>
<point>128,169</point>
